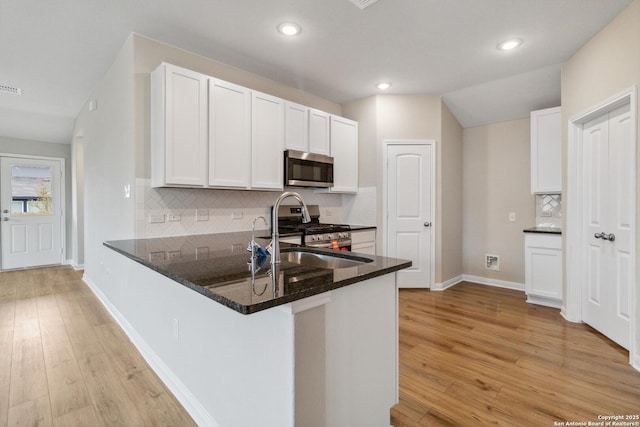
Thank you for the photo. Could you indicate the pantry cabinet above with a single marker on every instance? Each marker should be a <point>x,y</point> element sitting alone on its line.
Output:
<point>229,135</point>
<point>344,150</point>
<point>178,127</point>
<point>267,142</point>
<point>546,151</point>
<point>543,269</point>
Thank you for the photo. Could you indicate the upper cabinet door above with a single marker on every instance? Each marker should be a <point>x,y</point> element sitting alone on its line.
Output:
<point>319,132</point>
<point>296,123</point>
<point>344,150</point>
<point>179,126</point>
<point>267,142</point>
<point>546,154</point>
<point>229,135</point>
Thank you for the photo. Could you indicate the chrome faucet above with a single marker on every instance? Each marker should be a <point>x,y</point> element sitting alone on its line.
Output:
<point>253,243</point>
<point>275,245</point>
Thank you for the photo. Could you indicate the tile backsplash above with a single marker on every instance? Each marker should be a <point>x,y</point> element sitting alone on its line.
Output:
<point>162,212</point>
<point>549,210</point>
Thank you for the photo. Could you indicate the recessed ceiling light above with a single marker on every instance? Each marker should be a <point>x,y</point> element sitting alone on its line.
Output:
<point>383,85</point>
<point>289,29</point>
<point>510,44</point>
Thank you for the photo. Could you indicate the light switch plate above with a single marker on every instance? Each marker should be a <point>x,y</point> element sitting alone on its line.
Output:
<point>156,218</point>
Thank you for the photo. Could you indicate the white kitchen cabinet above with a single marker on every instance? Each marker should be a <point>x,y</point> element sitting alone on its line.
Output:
<point>296,122</point>
<point>363,241</point>
<point>267,142</point>
<point>543,269</point>
<point>546,155</point>
<point>178,127</point>
<point>229,135</point>
<point>319,132</point>
<point>344,150</point>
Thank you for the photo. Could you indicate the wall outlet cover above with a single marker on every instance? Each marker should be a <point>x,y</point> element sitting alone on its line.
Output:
<point>156,218</point>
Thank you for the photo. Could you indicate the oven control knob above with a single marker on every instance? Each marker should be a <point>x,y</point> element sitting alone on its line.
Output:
<point>330,236</point>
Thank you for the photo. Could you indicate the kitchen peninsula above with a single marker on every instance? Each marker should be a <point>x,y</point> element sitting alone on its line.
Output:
<point>307,346</point>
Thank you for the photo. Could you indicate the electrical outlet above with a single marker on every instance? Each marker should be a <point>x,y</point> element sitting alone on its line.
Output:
<point>512,217</point>
<point>174,217</point>
<point>174,254</point>
<point>236,215</point>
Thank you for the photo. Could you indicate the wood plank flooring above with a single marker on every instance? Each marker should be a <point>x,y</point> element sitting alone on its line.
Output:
<point>64,362</point>
<point>477,355</point>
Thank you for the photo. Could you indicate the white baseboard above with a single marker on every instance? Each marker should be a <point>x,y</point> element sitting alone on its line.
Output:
<point>494,282</point>
<point>199,414</point>
<point>636,362</point>
<point>74,266</point>
<point>447,283</point>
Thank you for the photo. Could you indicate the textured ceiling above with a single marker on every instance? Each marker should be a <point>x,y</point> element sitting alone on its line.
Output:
<point>57,51</point>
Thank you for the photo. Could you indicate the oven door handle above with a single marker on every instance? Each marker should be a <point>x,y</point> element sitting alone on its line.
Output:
<point>319,245</point>
<point>328,245</point>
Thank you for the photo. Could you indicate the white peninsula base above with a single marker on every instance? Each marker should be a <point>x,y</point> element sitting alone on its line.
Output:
<point>327,360</point>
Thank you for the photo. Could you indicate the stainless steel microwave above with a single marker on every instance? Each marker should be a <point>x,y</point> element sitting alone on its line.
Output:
<point>307,169</point>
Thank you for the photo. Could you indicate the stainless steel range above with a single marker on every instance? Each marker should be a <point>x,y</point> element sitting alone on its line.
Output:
<point>314,233</point>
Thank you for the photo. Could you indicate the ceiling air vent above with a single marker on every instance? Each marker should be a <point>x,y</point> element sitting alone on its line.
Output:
<point>10,89</point>
<point>362,4</point>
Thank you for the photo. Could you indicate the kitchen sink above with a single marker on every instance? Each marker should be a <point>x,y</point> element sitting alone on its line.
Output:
<point>322,260</point>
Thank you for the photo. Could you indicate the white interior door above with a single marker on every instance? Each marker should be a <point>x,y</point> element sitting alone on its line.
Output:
<point>609,206</point>
<point>30,200</point>
<point>409,188</point>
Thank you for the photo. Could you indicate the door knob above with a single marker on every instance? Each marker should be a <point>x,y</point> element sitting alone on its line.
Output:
<point>5,210</point>
<point>427,224</point>
<point>600,236</point>
<point>610,237</point>
<point>5,218</point>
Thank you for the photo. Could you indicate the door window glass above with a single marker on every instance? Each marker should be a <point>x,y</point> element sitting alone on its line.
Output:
<point>31,190</point>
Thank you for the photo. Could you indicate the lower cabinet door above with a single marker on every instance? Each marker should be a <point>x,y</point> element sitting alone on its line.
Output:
<point>543,269</point>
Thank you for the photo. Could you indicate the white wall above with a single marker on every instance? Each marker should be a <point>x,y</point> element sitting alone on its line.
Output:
<point>107,135</point>
<point>47,149</point>
<point>496,181</point>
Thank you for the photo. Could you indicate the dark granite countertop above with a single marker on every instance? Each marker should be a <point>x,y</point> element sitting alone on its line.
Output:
<point>544,230</point>
<point>215,265</point>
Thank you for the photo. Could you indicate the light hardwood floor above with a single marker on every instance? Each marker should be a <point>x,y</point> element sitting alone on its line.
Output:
<point>476,355</point>
<point>64,361</point>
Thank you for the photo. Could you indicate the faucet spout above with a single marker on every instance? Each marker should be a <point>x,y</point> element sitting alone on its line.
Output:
<point>275,245</point>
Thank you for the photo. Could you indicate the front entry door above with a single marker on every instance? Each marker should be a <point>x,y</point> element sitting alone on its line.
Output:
<point>31,217</point>
<point>409,211</point>
<point>609,212</point>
